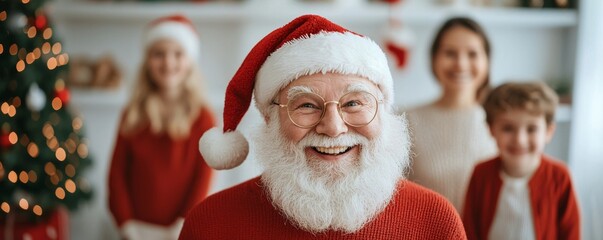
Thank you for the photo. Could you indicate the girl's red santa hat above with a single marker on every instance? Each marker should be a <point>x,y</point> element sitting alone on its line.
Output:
<point>307,45</point>
<point>177,28</point>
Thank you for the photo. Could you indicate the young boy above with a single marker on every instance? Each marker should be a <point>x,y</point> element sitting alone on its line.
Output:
<point>521,193</point>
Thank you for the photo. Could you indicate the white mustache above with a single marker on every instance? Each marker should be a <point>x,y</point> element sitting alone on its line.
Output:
<point>346,140</point>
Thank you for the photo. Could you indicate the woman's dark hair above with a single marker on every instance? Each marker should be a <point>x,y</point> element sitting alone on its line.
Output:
<point>474,27</point>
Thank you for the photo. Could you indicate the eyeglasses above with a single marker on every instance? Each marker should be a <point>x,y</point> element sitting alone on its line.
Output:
<point>357,108</point>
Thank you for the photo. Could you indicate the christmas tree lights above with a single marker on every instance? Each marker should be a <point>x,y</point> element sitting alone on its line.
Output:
<point>43,151</point>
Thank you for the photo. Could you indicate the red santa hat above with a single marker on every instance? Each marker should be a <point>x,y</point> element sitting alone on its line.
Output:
<point>307,45</point>
<point>174,27</point>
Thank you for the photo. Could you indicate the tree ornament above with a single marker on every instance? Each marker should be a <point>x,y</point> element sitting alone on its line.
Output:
<point>4,141</point>
<point>64,95</point>
<point>17,21</point>
<point>35,98</point>
<point>398,42</point>
<point>41,22</point>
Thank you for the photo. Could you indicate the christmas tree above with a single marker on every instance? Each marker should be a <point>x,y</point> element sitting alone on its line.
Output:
<point>42,150</point>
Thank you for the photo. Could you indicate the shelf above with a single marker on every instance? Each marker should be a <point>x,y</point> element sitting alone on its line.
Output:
<point>129,11</point>
<point>287,10</point>
<point>515,17</point>
<point>86,98</point>
<point>360,12</point>
<point>213,11</point>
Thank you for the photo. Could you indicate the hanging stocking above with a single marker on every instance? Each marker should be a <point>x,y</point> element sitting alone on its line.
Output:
<point>398,42</point>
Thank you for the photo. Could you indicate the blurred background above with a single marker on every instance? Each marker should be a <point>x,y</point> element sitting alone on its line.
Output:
<point>557,41</point>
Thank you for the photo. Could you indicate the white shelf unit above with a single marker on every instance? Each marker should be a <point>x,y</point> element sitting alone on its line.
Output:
<point>214,11</point>
<point>138,11</point>
<point>112,98</point>
<point>491,16</point>
<point>252,11</point>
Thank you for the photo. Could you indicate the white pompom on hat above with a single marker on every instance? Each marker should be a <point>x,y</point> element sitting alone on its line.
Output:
<point>174,27</point>
<point>307,45</point>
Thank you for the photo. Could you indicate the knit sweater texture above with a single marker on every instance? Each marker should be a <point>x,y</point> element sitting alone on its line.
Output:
<point>447,144</point>
<point>246,212</point>
<point>552,200</point>
<point>156,179</point>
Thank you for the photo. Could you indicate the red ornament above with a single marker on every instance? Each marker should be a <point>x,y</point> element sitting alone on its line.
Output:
<point>4,141</point>
<point>400,54</point>
<point>41,22</point>
<point>64,95</point>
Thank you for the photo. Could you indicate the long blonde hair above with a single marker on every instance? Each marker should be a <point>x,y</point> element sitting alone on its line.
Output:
<point>146,105</point>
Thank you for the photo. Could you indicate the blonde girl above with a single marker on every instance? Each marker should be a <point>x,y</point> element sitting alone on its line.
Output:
<point>157,174</point>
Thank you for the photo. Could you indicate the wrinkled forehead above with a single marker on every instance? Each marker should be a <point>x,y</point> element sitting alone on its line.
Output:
<point>354,87</point>
<point>329,85</point>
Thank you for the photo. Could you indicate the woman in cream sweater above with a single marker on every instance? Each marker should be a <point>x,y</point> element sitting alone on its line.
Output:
<point>450,134</point>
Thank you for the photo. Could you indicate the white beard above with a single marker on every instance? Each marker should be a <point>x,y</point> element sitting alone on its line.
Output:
<point>319,195</point>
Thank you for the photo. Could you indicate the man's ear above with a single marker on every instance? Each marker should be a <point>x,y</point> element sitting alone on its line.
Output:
<point>271,114</point>
<point>550,131</point>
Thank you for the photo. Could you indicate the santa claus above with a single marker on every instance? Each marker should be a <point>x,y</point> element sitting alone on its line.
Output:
<point>333,151</point>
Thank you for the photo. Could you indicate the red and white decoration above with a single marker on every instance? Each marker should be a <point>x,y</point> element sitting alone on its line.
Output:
<point>399,41</point>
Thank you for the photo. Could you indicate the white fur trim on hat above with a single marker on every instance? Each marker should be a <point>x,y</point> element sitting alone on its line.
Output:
<point>223,150</point>
<point>344,53</point>
<point>179,32</point>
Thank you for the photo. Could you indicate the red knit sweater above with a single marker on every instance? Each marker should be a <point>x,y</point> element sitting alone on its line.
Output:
<point>156,179</point>
<point>246,212</point>
<point>552,197</point>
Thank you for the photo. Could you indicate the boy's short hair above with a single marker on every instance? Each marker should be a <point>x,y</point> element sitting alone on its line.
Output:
<point>534,97</point>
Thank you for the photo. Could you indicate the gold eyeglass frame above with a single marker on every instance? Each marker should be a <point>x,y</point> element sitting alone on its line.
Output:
<point>378,101</point>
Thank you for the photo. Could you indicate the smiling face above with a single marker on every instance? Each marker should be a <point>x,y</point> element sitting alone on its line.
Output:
<point>331,176</point>
<point>167,64</point>
<point>521,137</point>
<point>331,87</point>
<point>460,62</point>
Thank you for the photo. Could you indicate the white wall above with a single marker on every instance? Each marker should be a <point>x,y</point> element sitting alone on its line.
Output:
<point>520,52</point>
<point>586,155</point>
